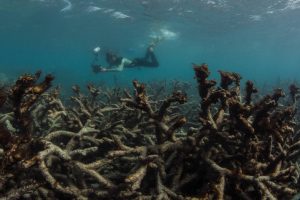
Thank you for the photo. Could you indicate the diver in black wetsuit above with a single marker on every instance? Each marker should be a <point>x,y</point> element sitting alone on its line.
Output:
<point>117,63</point>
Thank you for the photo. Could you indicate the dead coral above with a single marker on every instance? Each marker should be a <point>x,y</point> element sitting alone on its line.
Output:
<point>24,94</point>
<point>294,92</point>
<point>94,147</point>
<point>163,128</point>
<point>250,90</point>
<point>251,146</point>
<point>3,96</point>
<point>17,145</point>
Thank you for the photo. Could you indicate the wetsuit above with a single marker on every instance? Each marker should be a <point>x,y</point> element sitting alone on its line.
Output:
<point>148,61</point>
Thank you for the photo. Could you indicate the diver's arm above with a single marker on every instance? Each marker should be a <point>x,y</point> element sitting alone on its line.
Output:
<point>99,68</point>
<point>125,62</point>
<point>118,68</point>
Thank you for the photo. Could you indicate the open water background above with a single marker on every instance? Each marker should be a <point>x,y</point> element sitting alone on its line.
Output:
<point>259,38</point>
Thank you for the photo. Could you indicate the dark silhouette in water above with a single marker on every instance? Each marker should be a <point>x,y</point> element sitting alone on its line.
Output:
<point>118,63</point>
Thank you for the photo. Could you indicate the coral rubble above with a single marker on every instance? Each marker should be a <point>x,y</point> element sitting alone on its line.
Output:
<point>113,144</point>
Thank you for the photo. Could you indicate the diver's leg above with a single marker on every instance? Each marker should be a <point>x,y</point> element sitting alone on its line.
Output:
<point>147,53</point>
<point>138,62</point>
<point>153,60</point>
<point>150,59</point>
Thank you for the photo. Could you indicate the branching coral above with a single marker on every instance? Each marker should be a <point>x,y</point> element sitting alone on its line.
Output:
<point>24,94</point>
<point>17,145</point>
<point>254,153</point>
<point>294,92</point>
<point>3,96</point>
<point>163,127</point>
<point>111,144</point>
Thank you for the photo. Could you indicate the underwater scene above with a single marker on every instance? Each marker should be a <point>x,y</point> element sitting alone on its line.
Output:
<point>149,99</point>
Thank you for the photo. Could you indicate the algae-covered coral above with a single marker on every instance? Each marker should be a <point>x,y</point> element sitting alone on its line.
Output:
<point>116,144</point>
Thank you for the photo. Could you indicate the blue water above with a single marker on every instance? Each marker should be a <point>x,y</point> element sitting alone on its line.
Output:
<point>259,38</point>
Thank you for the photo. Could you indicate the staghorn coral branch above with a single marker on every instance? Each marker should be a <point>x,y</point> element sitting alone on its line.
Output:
<point>250,90</point>
<point>3,96</point>
<point>83,152</point>
<point>177,96</point>
<point>101,179</point>
<point>220,188</point>
<point>136,178</point>
<point>204,85</point>
<point>24,94</point>
<point>227,78</point>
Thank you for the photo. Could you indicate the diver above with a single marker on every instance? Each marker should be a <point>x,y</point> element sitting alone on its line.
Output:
<point>117,63</point>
